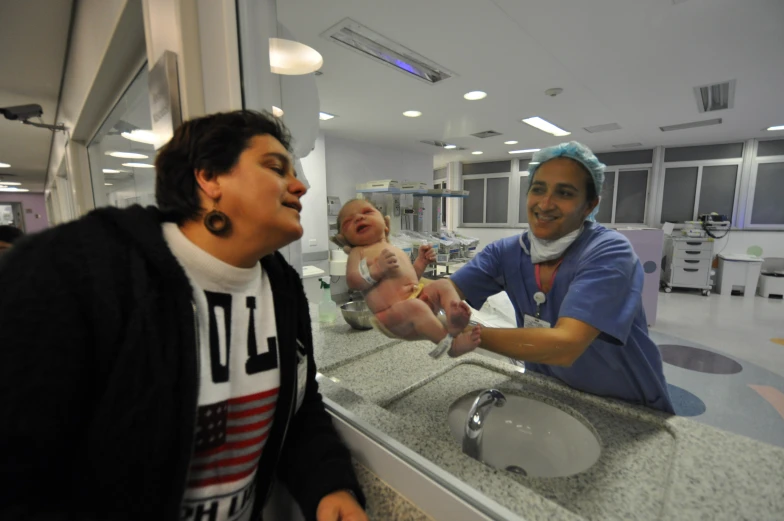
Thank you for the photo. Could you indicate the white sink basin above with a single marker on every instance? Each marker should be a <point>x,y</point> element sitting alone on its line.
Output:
<point>529,437</point>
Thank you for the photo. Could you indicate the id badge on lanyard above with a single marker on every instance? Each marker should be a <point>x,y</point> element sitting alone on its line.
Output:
<point>529,321</point>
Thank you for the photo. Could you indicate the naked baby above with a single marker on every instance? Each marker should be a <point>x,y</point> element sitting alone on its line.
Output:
<point>403,307</point>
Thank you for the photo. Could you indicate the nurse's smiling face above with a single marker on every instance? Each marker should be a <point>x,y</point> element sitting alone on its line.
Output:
<point>558,199</point>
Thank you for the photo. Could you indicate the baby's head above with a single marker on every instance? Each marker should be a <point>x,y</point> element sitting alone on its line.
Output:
<point>361,224</point>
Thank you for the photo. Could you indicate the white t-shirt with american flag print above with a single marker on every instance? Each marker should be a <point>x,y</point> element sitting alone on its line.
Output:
<point>238,383</point>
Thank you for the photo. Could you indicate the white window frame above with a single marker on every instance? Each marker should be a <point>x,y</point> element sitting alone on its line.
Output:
<point>618,169</point>
<point>755,162</point>
<point>700,164</point>
<point>484,223</point>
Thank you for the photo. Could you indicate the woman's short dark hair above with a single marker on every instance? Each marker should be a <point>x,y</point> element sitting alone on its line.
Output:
<point>10,234</point>
<point>212,143</point>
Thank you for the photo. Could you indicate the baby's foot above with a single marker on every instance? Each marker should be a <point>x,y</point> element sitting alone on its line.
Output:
<point>466,342</point>
<point>458,316</point>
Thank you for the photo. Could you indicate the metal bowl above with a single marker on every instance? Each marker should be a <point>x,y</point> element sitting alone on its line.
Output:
<point>357,314</point>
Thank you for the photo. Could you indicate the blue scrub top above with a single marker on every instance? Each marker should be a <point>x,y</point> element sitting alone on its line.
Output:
<point>600,283</point>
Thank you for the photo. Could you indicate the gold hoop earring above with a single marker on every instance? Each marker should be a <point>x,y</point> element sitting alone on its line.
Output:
<point>217,222</point>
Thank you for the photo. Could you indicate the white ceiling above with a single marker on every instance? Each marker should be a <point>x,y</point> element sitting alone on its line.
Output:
<point>33,37</point>
<point>631,62</point>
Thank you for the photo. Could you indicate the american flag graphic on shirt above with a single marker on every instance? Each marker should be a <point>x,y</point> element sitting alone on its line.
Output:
<point>230,436</point>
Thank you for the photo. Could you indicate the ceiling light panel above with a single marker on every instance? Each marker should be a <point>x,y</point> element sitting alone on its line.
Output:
<point>693,124</point>
<point>326,116</point>
<point>293,58</point>
<point>412,113</point>
<point>475,95</point>
<point>546,126</point>
<point>141,136</point>
<point>477,152</point>
<point>510,142</point>
<point>775,128</point>
<point>362,40</point>
<point>5,165</point>
<point>526,151</point>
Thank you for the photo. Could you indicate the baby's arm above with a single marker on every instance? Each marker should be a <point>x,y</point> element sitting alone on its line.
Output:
<point>385,264</point>
<point>425,257</point>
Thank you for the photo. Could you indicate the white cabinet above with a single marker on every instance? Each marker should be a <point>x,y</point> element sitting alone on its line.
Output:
<point>687,263</point>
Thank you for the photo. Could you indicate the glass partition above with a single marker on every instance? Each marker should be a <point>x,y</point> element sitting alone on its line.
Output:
<point>121,153</point>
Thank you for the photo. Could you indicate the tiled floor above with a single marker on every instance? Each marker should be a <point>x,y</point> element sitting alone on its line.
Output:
<point>729,372</point>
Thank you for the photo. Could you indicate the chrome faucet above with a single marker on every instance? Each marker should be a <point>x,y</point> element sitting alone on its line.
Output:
<point>472,436</point>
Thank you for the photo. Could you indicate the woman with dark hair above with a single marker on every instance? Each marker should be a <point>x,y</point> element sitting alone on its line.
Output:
<point>174,375</point>
<point>8,235</point>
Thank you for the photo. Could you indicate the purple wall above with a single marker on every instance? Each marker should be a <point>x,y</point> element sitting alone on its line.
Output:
<point>34,202</point>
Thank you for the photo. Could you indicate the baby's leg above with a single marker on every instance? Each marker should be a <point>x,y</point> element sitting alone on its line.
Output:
<point>443,295</point>
<point>412,320</point>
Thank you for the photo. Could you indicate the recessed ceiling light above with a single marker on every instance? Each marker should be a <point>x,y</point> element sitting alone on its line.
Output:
<point>277,111</point>
<point>412,113</point>
<point>127,155</point>
<point>9,183</point>
<point>326,116</point>
<point>475,95</point>
<point>526,151</point>
<point>12,189</point>
<point>141,136</point>
<point>450,147</point>
<point>772,129</point>
<point>477,152</point>
<point>6,165</point>
<point>546,126</point>
<point>510,142</point>
<point>138,165</point>
<point>107,184</point>
<point>293,58</point>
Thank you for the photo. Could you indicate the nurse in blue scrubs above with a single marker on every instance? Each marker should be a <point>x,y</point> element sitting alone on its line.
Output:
<point>575,285</point>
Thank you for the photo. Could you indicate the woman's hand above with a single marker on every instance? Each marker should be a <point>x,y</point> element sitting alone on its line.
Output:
<point>340,506</point>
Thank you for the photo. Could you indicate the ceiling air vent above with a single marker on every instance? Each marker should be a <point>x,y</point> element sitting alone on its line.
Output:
<point>693,124</point>
<point>719,96</point>
<point>440,144</point>
<point>486,134</point>
<point>358,38</point>
<point>627,145</point>
<point>602,128</point>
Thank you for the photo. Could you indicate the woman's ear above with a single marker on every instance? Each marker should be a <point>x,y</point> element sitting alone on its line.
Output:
<point>208,183</point>
<point>591,207</point>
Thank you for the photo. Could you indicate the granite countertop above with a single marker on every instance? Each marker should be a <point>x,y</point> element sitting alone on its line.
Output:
<point>652,465</point>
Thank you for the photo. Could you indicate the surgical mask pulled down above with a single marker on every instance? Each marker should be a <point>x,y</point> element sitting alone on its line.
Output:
<point>543,251</point>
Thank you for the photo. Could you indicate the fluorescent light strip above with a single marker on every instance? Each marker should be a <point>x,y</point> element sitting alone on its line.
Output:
<point>510,142</point>
<point>141,136</point>
<point>12,189</point>
<point>477,153</point>
<point>777,127</point>
<point>326,116</point>
<point>126,155</point>
<point>9,183</point>
<point>412,113</point>
<point>546,126</point>
<point>138,165</point>
<point>5,165</point>
<point>526,151</point>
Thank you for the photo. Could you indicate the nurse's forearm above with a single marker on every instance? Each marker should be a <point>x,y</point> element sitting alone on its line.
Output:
<point>561,345</point>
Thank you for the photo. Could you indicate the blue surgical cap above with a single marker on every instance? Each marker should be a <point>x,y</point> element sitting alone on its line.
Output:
<point>578,152</point>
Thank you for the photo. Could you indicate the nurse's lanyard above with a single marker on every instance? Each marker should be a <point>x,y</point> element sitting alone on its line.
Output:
<point>539,297</point>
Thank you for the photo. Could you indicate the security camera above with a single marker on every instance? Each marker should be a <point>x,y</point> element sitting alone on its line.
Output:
<point>22,112</point>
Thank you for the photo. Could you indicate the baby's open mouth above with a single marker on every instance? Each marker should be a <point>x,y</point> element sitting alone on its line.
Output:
<point>362,227</point>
